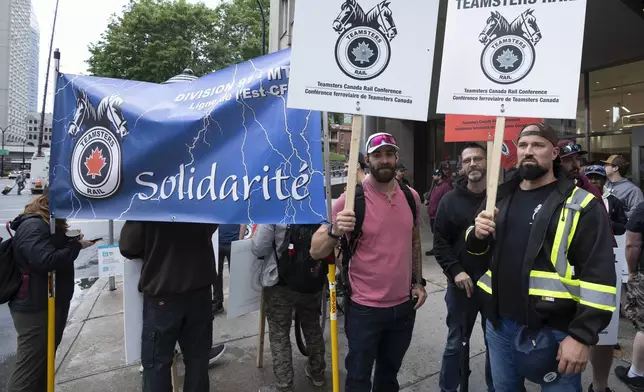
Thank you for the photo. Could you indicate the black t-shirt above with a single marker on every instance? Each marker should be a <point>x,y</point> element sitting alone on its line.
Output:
<point>635,224</point>
<point>524,207</point>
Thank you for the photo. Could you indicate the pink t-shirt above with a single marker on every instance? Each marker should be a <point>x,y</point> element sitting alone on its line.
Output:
<point>380,269</point>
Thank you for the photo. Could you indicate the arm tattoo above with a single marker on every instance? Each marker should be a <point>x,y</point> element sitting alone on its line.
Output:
<point>416,259</point>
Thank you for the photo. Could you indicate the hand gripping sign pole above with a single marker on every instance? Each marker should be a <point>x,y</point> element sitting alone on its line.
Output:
<point>333,311</point>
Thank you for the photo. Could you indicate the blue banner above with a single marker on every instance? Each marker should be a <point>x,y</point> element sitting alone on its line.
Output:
<point>220,149</point>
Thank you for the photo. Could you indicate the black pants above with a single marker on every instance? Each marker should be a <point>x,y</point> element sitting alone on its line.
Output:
<point>461,317</point>
<point>218,288</point>
<point>184,318</point>
<point>30,373</point>
<point>380,335</point>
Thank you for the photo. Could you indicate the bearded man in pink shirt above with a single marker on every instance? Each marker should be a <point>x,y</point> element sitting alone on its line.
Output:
<point>385,271</point>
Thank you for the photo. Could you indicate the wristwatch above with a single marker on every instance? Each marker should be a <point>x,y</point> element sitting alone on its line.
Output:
<point>330,233</point>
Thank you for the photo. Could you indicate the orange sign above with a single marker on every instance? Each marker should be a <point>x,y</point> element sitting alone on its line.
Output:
<point>462,128</point>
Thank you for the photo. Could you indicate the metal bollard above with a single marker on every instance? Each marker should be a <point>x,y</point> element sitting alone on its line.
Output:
<point>112,281</point>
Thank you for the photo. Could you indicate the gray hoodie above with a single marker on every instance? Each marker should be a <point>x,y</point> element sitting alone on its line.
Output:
<point>627,192</point>
<point>268,241</point>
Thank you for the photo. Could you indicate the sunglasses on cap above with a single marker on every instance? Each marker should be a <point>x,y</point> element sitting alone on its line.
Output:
<point>379,140</point>
<point>573,147</point>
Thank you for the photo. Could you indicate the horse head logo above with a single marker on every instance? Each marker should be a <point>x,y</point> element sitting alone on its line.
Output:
<point>379,17</point>
<point>84,113</point>
<point>351,15</point>
<point>525,25</point>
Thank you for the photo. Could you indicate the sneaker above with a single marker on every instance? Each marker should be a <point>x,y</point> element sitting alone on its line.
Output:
<point>275,388</point>
<point>317,380</point>
<point>215,353</point>
<point>141,369</point>
<point>634,383</point>
<point>591,389</point>
<point>429,253</point>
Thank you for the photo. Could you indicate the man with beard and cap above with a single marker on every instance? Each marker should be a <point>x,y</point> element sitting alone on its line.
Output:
<point>570,154</point>
<point>385,272</point>
<point>455,213</point>
<point>550,289</point>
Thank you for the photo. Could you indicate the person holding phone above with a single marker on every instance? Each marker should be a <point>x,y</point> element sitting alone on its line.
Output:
<point>37,252</point>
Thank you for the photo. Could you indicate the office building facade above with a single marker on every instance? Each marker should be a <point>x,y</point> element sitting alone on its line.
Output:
<point>15,44</point>
<point>34,61</point>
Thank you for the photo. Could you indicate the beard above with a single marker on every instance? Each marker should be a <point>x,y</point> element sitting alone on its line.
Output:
<point>531,171</point>
<point>475,175</point>
<point>383,174</point>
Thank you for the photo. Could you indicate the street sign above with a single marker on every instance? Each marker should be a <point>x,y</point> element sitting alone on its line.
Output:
<point>366,57</point>
<point>501,59</point>
<point>4,152</point>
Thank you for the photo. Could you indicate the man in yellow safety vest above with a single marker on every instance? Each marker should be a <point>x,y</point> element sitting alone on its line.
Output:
<point>550,289</point>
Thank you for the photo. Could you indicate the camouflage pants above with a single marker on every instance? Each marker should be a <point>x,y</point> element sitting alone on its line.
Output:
<point>280,302</point>
<point>634,307</point>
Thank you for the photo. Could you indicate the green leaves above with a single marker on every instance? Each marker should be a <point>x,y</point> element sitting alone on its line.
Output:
<point>154,40</point>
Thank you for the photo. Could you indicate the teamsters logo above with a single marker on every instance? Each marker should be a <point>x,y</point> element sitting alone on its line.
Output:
<point>97,155</point>
<point>362,50</point>
<point>509,53</point>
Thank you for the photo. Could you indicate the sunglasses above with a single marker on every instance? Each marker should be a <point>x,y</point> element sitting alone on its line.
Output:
<point>571,148</point>
<point>382,139</point>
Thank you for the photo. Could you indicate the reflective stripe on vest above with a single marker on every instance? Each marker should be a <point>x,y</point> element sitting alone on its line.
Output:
<point>560,284</point>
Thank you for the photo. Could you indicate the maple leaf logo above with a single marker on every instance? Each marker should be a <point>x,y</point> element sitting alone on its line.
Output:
<point>507,59</point>
<point>95,163</point>
<point>362,53</point>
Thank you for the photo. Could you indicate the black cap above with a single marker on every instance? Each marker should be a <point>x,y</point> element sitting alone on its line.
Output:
<point>543,130</point>
<point>401,167</point>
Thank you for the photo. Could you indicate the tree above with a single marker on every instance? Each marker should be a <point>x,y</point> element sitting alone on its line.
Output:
<point>154,40</point>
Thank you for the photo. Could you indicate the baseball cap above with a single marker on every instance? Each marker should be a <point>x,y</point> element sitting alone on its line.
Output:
<point>401,167</point>
<point>540,129</point>
<point>438,172</point>
<point>536,356</point>
<point>596,169</point>
<point>616,160</point>
<point>569,148</point>
<point>362,162</point>
<point>380,139</point>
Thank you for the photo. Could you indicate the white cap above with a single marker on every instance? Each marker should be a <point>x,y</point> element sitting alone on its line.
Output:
<point>391,142</point>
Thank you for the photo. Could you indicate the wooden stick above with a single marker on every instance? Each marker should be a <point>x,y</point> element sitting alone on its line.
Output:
<point>356,130</point>
<point>495,165</point>
<point>262,330</point>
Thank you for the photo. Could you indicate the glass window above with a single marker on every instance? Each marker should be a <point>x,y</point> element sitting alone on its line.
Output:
<point>617,97</point>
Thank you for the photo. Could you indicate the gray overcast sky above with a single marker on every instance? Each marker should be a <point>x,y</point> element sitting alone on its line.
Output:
<point>79,23</point>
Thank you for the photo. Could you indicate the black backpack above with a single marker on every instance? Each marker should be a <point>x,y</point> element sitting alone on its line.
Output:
<point>297,269</point>
<point>348,247</point>
<point>10,276</point>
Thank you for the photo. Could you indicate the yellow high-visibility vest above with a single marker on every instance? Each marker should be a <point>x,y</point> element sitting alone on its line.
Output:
<point>560,284</point>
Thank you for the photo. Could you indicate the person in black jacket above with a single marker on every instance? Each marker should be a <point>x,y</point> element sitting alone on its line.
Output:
<point>176,278</point>
<point>456,211</point>
<point>546,299</point>
<point>38,252</point>
<point>597,175</point>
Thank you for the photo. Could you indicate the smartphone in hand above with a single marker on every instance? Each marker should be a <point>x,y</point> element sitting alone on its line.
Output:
<point>95,240</point>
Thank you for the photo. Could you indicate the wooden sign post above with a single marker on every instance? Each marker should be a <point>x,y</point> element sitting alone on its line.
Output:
<point>494,164</point>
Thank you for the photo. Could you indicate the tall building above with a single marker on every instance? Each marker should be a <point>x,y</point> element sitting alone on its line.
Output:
<point>33,129</point>
<point>15,17</point>
<point>34,60</point>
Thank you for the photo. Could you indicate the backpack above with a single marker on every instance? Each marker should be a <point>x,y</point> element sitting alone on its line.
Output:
<point>296,268</point>
<point>10,276</point>
<point>348,247</point>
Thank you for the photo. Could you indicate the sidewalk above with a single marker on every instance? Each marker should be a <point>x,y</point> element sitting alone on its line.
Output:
<point>91,356</point>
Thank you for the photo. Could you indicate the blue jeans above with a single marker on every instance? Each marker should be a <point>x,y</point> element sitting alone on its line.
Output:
<point>380,335</point>
<point>461,317</point>
<point>504,372</point>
